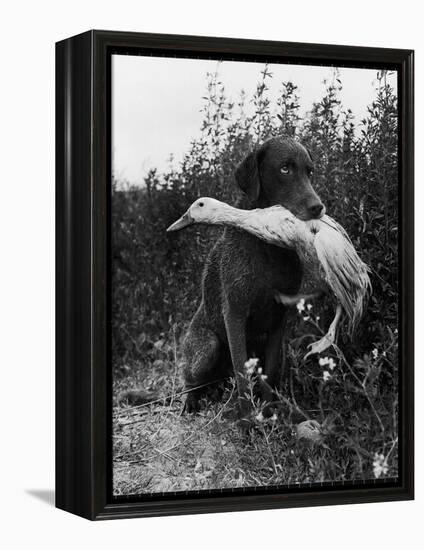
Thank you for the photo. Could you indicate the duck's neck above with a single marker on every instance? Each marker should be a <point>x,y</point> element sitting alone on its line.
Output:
<point>229,216</point>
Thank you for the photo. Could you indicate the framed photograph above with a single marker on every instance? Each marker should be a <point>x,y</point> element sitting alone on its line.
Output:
<point>234,274</point>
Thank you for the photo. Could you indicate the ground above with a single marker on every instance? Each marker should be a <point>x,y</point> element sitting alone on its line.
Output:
<point>159,449</point>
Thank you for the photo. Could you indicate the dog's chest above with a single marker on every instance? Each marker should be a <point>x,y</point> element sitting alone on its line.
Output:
<point>253,270</point>
<point>277,269</point>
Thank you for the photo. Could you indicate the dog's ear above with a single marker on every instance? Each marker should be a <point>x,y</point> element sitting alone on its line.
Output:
<point>247,176</point>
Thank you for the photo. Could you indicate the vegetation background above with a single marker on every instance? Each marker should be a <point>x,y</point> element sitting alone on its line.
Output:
<point>350,393</point>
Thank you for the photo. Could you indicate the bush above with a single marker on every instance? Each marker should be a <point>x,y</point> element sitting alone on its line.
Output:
<point>156,277</point>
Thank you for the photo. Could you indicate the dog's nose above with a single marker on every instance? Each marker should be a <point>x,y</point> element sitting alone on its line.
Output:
<point>316,209</point>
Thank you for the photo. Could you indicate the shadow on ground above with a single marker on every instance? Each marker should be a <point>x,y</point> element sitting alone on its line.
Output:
<point>45,495</point>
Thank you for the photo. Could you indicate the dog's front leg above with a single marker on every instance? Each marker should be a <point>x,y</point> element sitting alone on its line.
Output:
<point>274,359</point>
<point>235,324</point>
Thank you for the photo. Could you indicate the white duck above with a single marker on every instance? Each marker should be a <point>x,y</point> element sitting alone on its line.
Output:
<point>323,245</point>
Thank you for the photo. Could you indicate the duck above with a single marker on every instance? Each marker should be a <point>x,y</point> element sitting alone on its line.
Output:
<point>323,245</point>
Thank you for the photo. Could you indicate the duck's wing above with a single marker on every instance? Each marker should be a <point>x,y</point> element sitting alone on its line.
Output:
<point>331,222</point>
<point>345,272</point>
<point>275,225</point>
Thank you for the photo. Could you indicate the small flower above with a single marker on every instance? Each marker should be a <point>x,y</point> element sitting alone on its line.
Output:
<point>331,364</point>
<point>374,353</point>
<point>306,318</point>
<point>309,307</point>
<point>251,362</point>
<point>259,417</point>
<point>318,317</point>
<point>327,361</point>
<point>395,331</point>
<point>379,465</point>
<point>260,370</point>
<point>274,417</point>
<point>326,376</point>
<point>264,377</point>
<point>301,305</point>
<point>384,354</point>
<point>250,365</point>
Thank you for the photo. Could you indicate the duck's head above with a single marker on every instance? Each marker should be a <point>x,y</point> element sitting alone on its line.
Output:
<point>203,210</point>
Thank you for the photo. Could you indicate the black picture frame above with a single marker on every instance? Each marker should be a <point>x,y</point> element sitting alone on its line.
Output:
<point>83,175</point>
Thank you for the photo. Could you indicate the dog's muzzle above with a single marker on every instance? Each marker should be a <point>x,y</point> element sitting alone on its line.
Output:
<point>184,221</point>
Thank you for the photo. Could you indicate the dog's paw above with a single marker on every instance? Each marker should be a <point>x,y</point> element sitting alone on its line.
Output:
<point>191,404</point>
<point>245,426</point>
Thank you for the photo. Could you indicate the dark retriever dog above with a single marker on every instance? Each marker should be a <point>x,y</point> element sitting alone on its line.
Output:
<point>238,316</point>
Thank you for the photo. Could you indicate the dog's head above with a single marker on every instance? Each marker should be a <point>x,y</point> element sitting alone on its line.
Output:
<point>279,172</point>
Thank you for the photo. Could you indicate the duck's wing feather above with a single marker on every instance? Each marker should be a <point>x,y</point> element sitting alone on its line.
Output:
<point>277,225</point>
<point>345,272</point>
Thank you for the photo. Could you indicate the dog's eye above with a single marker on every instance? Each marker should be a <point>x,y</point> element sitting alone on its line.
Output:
<point>284,169</point>
<point>201,204</point>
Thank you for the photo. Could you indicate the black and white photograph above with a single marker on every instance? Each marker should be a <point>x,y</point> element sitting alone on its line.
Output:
<point>254,275</point>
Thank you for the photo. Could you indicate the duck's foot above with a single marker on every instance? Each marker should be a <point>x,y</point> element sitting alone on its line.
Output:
<point>321,345</point>
<point>328,339</point>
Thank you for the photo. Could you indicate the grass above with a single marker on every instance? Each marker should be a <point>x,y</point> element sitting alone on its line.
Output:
<point>340,426</point>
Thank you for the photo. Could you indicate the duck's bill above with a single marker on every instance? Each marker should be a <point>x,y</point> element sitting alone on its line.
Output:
<point>184,221</point>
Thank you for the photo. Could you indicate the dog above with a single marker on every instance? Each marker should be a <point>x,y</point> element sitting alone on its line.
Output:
<point>238,316</point>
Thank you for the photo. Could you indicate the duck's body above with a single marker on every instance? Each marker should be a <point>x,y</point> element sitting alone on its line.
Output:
<point>322,244</point>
